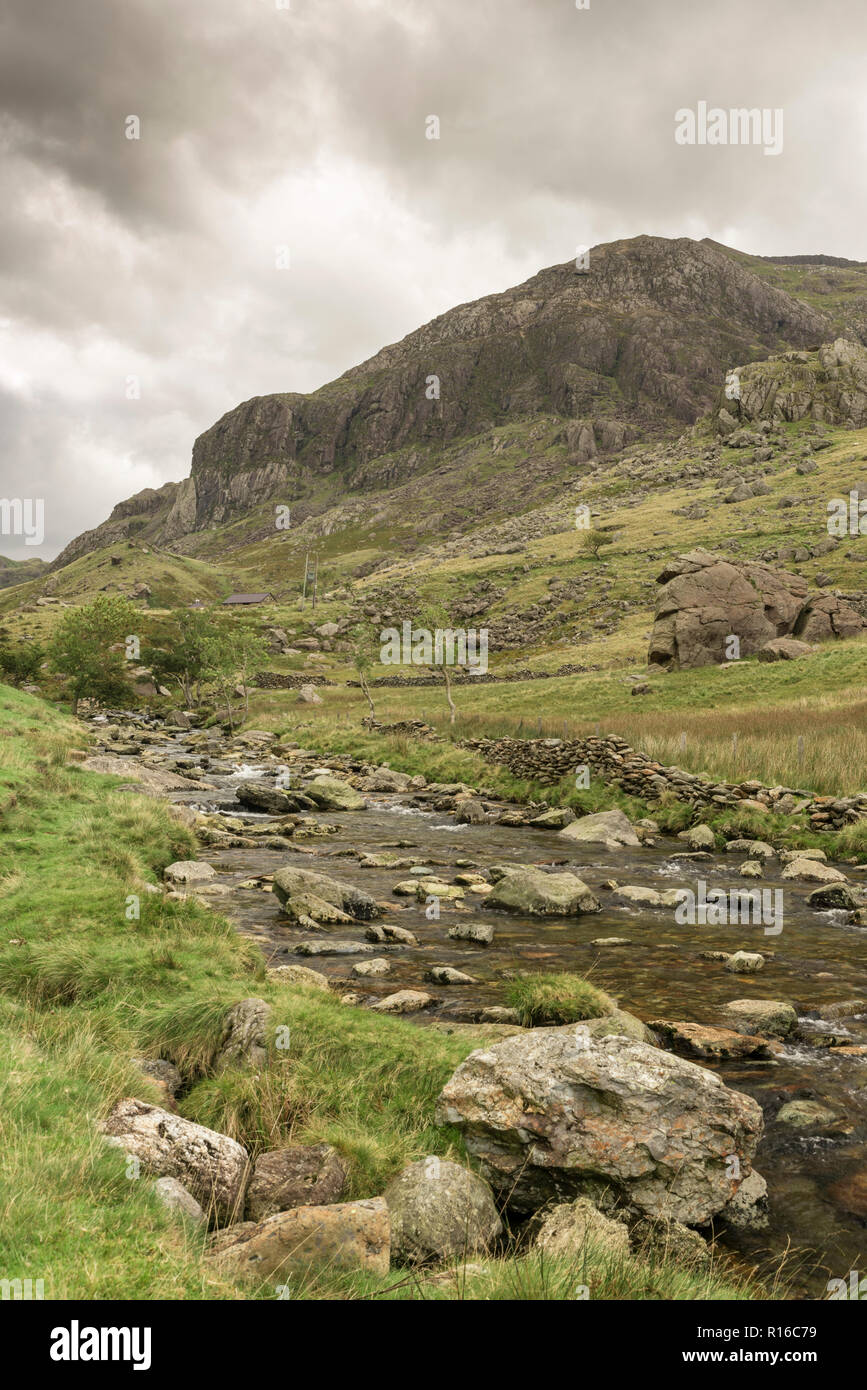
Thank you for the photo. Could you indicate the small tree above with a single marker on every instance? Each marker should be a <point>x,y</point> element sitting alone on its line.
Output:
<point>432,617</point>
<point>229,656</point>
<point>80,648</point>
<point>184,659</point>
<point>364,655</point>
<point>20,661</point>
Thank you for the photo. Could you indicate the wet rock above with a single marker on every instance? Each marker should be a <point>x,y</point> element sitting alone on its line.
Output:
<point>700,837</point>
<point>640,897</point>
<point>769,1018</point>
<point>805,1114</point>
<point>555,819</point>
<point>479,932</point>
<point>850,1193</point>
<point>332,948</point>
<point>186,871</point>
<point>405,1001</point>
<point>811,871</point>
<point>531,891</point>
<point>330,794</point>
<point>377,966</point>
<point>831,895</point>
<point>211,1166</point>
<point>301,1175</point>
<point>748,1209</point>
<point>314,899</point>
<point>745,963</point>
<point>554,1113</point>
<point>471,812</point>
<point>610,829</point>
<point>388,932</point>
<point>435,888</point>
<point>440,1210</point>
<point>447,975</point>
<point>751,869</point>
<point>698,1040</point>
<point>346,1236</point>
<point>788,856</point>
<point>756,849</point>
<point>274,801</point>
<point>574,1228</point>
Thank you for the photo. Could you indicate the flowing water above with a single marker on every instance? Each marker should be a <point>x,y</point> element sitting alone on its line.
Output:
<point>817,1182</point>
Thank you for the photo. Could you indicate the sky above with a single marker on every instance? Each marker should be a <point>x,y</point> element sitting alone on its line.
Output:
<point>283,213</point>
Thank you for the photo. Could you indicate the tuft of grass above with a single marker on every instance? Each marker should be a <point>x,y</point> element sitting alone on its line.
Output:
<point>556,998</point>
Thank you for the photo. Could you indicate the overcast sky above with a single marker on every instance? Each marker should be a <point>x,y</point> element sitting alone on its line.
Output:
<point>264,127</point>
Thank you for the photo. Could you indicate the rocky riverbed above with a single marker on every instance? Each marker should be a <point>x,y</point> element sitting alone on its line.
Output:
<point>464,894</point>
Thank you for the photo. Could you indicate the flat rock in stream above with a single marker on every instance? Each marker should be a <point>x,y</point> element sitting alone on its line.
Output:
<point>331,794</point>
<point>611,829</point>
<point>528,890</point>
<point>333,948</point>
<point>697,1040</point>
<point>315,899</point>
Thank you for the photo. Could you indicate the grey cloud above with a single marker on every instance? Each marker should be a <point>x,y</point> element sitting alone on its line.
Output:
<point>261,127</point>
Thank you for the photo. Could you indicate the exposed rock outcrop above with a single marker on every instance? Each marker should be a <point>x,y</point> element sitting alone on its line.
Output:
<point>707,599</point>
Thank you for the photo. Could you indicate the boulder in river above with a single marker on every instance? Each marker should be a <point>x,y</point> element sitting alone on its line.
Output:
<point>525,889</point>
<point>611,829</point>
<point>554,1113</point>
<point>769,1018</point>
<point>315,899</point>
<point>332,794</point>
<point>186,871</point>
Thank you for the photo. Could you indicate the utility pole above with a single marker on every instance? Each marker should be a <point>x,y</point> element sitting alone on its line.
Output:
<point>304,590</point>
<point>315,577</point>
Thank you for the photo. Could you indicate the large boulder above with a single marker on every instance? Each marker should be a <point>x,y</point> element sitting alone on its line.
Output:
<point>555,1114</point>
<point>302,1175</point>
<point>537,894</point>
<point>274,801</point>
<point>827,616</point>
<point>608,828</point>
<point>331,794</point>
<point>313,899</point>
<point>347,1236</point>
<point>707,598</point>
<point>439,1210</point>
<point>212,1167</point>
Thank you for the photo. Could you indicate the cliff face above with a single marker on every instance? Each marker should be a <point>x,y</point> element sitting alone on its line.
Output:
<point>643,339</point>
<point>828,385</point>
